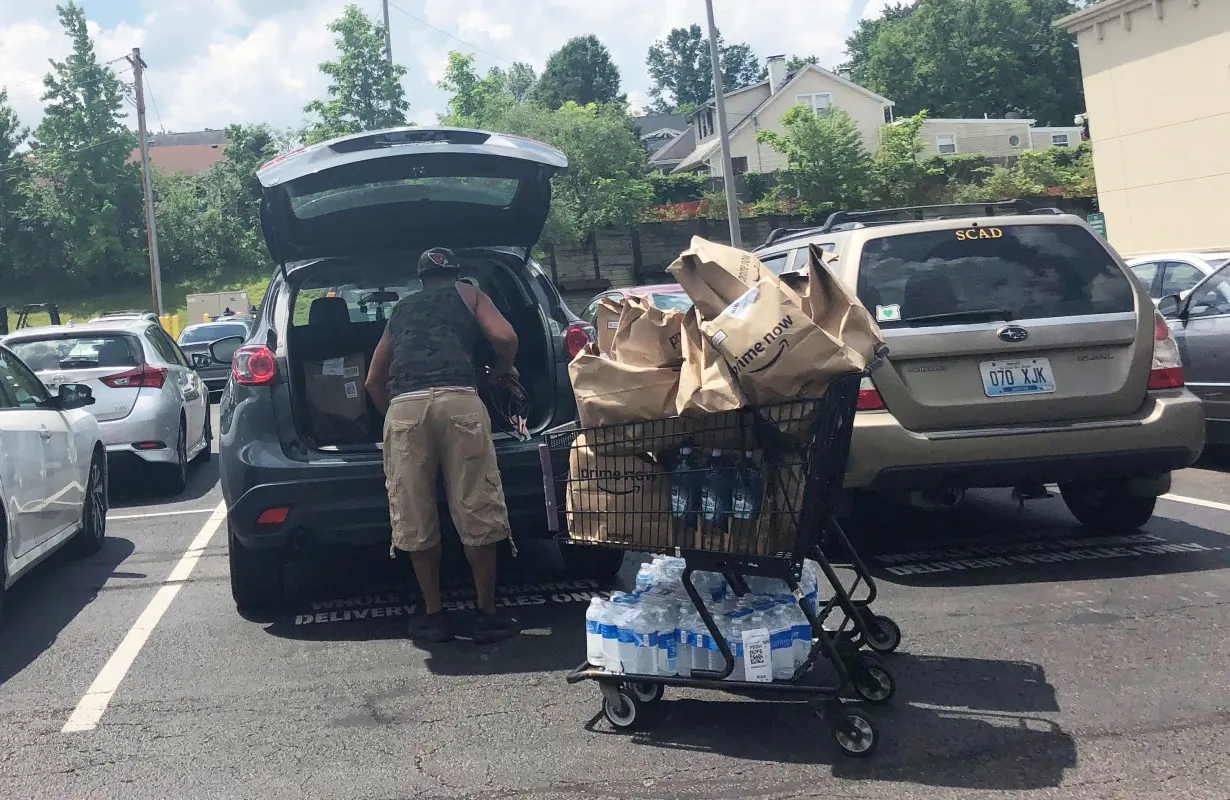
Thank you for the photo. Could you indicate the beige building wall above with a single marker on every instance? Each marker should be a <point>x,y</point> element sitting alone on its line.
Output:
<point>980,137</point>
<point>1157,92</point>
<point>868,114</point>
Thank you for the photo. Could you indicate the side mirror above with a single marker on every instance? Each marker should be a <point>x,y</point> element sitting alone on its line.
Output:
<point>223,350</point>
<point>201,360</point>
<point>74,395</point>
<point>1169,306</point>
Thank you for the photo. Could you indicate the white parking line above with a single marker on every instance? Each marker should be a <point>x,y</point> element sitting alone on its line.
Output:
<point>117,517</point>
<point>94,703</point>
<point>1196,501</point>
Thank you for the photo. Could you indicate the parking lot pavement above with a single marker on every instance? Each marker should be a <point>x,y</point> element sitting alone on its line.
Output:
<point>1037,658</point>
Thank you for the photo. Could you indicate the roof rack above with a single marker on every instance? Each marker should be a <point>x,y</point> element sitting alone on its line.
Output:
<point>888,216</point>
<point>781,233</point>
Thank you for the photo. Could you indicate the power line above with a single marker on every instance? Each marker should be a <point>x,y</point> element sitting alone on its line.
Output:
<point>8,86</point>
<point>449,35</point>
<point>71,152</point>
<point>39,92</point>
<point>154,101</point>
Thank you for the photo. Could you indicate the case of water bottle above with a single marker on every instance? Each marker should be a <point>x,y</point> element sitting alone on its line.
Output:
<point>656,630</point>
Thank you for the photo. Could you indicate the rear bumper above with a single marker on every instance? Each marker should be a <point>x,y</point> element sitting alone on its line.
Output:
<point>1167,433</point>
<point>126,453</point>
<point>347,504</point>
<point>153,419</point>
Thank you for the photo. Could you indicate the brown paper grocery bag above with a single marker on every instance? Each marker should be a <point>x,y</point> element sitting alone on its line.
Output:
<point>607,323</point>
<point>617,499</point>
<point>775,352</point>
<point>839,313</point>
<point>647,336</point>
<point>610,393</point>
<point>715,275</point>
<point>706,385</point>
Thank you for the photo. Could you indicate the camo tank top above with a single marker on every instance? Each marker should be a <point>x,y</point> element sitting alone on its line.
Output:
<point>432,334</point>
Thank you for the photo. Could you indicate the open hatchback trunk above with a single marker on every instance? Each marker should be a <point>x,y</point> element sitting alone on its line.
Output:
<point>346,221</point>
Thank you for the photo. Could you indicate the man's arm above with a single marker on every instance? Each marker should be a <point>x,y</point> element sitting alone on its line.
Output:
<point>495,327</point>
<point>377,383</point>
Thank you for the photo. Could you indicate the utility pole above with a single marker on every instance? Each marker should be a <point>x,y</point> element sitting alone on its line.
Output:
<point>151,227</point>
<point>388,36</point>
<point>732,195</point>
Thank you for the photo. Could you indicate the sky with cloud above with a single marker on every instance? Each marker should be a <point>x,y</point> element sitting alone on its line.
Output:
<point>217,62</point>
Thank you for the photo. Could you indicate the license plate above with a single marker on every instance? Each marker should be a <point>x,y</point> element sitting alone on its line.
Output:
<point>1017,376</point>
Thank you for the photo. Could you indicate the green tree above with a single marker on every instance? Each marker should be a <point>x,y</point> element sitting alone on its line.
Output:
<point>827,165</point>
<point>365,91</point>
<point>89,198</point>
<point>682,69</point>
<point>897,171</point>
<point>858,45</point>
<point>967,58</point>
<point>797,63</point>
<point>518,81</point>
<point>581,72</point>
<point>475,100</point>
<point>14,174</point>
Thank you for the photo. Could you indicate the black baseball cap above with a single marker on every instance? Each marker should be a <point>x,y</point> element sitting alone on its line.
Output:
<point>438,259</point>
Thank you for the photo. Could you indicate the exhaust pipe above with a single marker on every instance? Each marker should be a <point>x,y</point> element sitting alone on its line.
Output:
<point>937,499</point>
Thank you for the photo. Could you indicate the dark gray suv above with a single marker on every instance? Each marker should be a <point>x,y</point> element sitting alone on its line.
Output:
<point>346,221</point>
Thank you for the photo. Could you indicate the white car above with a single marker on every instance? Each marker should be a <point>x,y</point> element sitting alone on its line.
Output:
<point>152,407</point>
<point>1165,274</point>
<point>53,476</point>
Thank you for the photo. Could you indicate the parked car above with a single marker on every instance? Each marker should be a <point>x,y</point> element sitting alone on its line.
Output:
<point>152,408</point>
<point>53,476</point>
<point>117,316</point>
<point>357,212</point>
<point>1020,354</point>
<point>1200,322</point>
<point>195,340</point>
<point>1176,273</point>
<point>666,296</point>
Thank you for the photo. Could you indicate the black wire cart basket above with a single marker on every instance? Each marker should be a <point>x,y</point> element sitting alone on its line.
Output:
<point>635,487</point>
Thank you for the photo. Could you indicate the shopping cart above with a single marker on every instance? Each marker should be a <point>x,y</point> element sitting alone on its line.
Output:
<point>630,487</point>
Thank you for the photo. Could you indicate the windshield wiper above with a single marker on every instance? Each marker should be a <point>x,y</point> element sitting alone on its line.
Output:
<point>973,315</point>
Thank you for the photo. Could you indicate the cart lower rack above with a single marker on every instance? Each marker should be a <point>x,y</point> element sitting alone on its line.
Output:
<point>749,493</point>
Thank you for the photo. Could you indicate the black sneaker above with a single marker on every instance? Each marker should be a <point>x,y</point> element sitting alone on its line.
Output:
<point>492,628</point>
<point>431,629</point>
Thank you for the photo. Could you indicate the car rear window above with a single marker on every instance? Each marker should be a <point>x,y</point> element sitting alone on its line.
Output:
<point>86,352</point>
<point>212,333</point>
<point>497,192</point>
<point>1026,271</point>
<point>671,301</point>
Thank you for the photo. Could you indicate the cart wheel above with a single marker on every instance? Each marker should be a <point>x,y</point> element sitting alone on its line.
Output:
<point>885,635</point>
<point>647,692</point>
<point>872,680</point>
<point>855,733</point>
<point>625,711</point>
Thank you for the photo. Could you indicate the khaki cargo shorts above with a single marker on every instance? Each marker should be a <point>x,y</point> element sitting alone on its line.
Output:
<point>442,432</point>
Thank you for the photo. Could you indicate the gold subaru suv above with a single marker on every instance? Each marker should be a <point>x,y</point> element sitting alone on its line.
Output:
<point>1022,352</point>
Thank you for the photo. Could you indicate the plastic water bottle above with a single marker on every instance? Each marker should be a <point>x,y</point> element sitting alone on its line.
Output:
<point>687,628</point>
<point>628,655</point>
<point>610,638</point>
<point>715,492</point>
<point>781,642</point>
<point>731,627</point>
<point>644,642</point>
<point>644,578</point>
<point>748,492</point>
<point>801,630</point>
<point>594,617</point>
<point>685,489</point>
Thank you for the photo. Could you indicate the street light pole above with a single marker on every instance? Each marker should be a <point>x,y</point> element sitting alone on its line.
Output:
<point>732,195</point>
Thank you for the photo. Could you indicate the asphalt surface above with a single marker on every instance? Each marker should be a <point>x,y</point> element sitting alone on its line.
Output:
<point>1036,660</point>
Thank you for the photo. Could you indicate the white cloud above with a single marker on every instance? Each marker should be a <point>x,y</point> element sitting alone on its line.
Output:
<point>217,62</point>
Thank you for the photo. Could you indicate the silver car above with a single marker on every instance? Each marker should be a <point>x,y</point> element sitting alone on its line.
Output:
<point>195,341</point>
<point>1199,319</point>
<point>153,409</point>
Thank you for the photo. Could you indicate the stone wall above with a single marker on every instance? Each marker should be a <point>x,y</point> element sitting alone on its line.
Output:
<point>640,255</point>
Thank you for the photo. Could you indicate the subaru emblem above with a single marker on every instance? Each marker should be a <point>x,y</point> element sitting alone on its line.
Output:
<point>1013,333</point>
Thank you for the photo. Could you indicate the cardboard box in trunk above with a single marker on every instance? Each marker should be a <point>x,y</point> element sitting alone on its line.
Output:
<point>620,499</point>
<point>336,399</point>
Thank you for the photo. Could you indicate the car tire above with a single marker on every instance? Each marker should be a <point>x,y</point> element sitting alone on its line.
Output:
<point>256,575</point>
<point>595,563</point>
<point>175,479</point>
<point>208,435</point>
<point>1107,506</point>
<point>93,533</point>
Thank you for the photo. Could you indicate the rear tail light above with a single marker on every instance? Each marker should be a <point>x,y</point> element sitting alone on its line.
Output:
<point>273,516</point>
<point>578,336</point>
<point>141,377</point>
<point>254,365</point>
<point>1167,370</point>
<point>869,398</point>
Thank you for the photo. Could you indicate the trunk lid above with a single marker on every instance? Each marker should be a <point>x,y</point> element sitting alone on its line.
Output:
<point>406,189</point>
<point>991,323</point>
<point>86,359</point>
